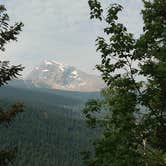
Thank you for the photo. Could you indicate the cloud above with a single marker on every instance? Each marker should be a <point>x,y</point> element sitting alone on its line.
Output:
<point>61,30</point>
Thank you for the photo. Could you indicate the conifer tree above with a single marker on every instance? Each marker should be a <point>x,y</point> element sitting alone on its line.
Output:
<point>8,72</point>
<point>132,113</point>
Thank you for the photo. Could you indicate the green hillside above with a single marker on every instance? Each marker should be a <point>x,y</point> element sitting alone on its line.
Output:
<point>50,132</point>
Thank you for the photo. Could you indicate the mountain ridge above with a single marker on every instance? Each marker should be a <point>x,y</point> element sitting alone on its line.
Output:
<point>55,75</point>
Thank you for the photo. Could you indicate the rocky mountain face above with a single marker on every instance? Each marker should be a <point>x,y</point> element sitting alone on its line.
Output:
<point>55,75</point>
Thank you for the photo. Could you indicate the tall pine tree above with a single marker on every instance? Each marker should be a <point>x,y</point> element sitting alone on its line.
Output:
<point>132,113</point>
<point>8,72</point>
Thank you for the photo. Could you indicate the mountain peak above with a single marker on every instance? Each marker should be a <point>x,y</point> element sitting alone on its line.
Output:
<point>56,75</point>
<point>53,62</point>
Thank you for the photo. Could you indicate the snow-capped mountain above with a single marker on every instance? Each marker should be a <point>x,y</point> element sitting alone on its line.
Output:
<point>55,75</point>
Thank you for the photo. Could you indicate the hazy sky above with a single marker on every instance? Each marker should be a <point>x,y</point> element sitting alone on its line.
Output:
<point>61,30</point>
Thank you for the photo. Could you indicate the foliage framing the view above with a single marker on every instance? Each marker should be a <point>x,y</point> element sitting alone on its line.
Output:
<point>132,112</point>
<point>8,33</point>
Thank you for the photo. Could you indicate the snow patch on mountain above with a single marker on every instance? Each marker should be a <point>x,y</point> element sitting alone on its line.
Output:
<point>47,62</point>
<point>45,70</point>
<point>74,74</point>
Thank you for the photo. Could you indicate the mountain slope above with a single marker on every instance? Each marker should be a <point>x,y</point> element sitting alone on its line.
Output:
<point>55,75</point>
<point>28,87</point>
<point>29,96</point>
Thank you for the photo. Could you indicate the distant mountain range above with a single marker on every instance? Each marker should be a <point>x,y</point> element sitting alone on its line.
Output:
<point>55,75</point>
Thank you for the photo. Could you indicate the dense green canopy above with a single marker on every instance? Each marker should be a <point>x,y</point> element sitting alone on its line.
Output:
<point>132,113</point>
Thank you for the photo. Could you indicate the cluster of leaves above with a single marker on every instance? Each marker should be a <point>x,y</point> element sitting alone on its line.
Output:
<point>7,155</point>
<point>8,33</point>
<point>8,73</point>
<point>134,123</point>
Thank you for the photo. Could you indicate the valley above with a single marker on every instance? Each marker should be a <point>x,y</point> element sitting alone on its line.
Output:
<point>51,130</point>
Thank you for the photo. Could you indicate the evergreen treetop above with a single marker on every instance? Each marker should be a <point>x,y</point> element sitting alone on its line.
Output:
<point>8,72</point>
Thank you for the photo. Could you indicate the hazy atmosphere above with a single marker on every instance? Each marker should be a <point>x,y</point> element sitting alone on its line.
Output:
<point>61,30</point>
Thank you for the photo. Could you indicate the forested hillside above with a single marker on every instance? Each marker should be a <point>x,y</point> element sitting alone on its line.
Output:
<point>51,130</point>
